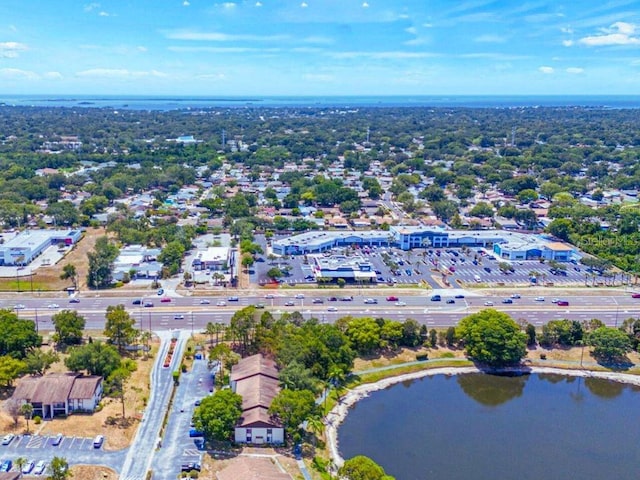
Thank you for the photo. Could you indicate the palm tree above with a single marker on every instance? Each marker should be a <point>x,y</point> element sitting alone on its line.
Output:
<point>337,377</point>
<point>20,462</point>
<point>316,426</point>
<point>145,338</point>
<point>27,410</point>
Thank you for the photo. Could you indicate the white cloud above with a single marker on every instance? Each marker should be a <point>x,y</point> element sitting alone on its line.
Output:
<point>140,48</point>
<point>619,33</point>
<point>489,38</point>
<point>258,4</point>
<point>304,4</point>
<point>185,3</point>
<point>411,30</point>
<point>17,74</point>
<point>415,41</point>
<point>105,14</point>
<point>228,5</point>
<point>91,6</point>
<point>382,55</point>
<point>546,70</point>
<point>318,40</point>
<point>566,30</point>
<point>567,43</point>
<point>575,70</point>
<point>11,49</point>
<point>365,5</point>
<point>212,76</point>
<point>118,73</point>
<point>224,37</point>
<point>53,75</point>
<point>427,25</point>
<point>225,49</point>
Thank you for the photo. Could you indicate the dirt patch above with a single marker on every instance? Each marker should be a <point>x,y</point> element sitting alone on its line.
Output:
<point>216,462</point>
<point>91,472</point>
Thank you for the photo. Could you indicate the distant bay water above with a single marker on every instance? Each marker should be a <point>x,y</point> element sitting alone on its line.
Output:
<point>168,103</point>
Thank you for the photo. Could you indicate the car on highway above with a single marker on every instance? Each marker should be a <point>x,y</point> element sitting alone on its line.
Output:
<point>57,440</point>
<point>269,296</point>
<point>507,300</point>
<point>259,305</point>
<point>317,300</point>
<point>27,467</point>
<point>204,301</point>
<point>299,296</point>
<point>98,441</point>
<point>289,303</point>
<point>53,306</point>
<point>436,298</point>
<point>488,303</point>
<point>400,304</point>
<point>6,466</point>
<point>137,301</point>
<point>148,304</point>
<point>333,299</point>
<point>450,301</point>
<point>539,299</point>
<point>19,306</point>
<point>40,468</point>
<point>178,316</point>
<point>459,296</point>
<point>392,298</point>
<point>8,438</point>
<point>635,295</point>
<point>555,300</point>
<point>370,301</point>
<point>74,300</point>
<point>221,303</point>
<point>165,300</point>
<point>562,303</point>
<point>233,299</point>
<point>515,296</point>
<point>346,299</point>
<point>332,309</point>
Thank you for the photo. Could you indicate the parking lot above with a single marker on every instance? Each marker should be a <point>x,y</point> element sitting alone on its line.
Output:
<point>21,442</point>
<point>476,266</point>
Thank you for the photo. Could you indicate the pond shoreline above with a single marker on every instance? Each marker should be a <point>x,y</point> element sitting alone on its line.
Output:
<point>340,411</point>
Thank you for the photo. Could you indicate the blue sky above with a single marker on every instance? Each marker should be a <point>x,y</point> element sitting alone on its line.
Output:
<point>320,47</point>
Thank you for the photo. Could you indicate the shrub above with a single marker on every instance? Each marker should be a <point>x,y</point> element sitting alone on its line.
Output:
<point>422,356</point>
<point>37,420</point>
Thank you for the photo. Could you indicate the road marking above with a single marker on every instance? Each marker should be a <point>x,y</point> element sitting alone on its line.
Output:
<point>36,442</point>
<point>191,452</point>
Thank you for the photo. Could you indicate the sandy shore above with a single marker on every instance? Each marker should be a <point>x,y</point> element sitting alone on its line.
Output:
<point>337,415</point>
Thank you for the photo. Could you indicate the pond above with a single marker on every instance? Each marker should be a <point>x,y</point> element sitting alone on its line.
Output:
<point>479,426</point>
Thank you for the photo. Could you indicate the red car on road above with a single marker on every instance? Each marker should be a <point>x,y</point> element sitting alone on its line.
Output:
<point>165,300</point>
<point>635,295</point>
<point>392,299</point>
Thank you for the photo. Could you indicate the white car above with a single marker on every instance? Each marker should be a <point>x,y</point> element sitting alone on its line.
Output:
<point>204,301</point>
<point>488,303</point>
<point>19,306</point>
<point>39,468</point>
<point>299,296</point>
<point>53,306</point>
<point>370,301</point>
<point>221,303</point>
<point>178,316</point>
<point>515,295</point>
<point>332,309</point>
<point>555,300</point>
<point>269,296</point>
<point>27,467</point>
<point>400,304</point>
<point>539,299</point>
<point>6,440</point>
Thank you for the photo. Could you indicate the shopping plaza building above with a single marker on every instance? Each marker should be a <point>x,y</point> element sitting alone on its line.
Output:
<point>505,244</point>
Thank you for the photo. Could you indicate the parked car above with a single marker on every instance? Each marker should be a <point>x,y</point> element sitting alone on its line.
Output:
<point>98,441</point>
<point>187,467</point>
<point>8,438</point>
<point>160,291</point>
<point>392,298</point>
<point>193,433</point>
<point>6,466</point>
<point>28,466</point>
<point>40,468</point>
<point>57,440</point>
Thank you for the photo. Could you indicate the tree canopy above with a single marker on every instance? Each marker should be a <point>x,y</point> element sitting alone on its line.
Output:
<point>96,358</point>
<point>363,468</point>
<point>69,327</point>
<point>217,414</point>
<point>17,336</point>
<point>492,338</point>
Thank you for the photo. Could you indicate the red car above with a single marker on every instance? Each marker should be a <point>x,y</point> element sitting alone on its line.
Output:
<point>635,295</point>
<point>392,299</point>
<point>165,300</point>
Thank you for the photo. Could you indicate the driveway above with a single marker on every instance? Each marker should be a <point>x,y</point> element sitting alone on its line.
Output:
<point>140,454</point>
<point>177,446</point>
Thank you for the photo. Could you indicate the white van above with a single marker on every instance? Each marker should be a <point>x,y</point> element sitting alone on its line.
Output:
<point>97,442</point>
<point>477,278</point>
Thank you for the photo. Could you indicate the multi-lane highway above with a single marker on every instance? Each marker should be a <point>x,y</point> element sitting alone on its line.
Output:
<point>611,307</point>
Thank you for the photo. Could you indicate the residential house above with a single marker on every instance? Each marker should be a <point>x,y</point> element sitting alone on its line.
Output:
<point>255,379</point>
<point>60,393</point>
